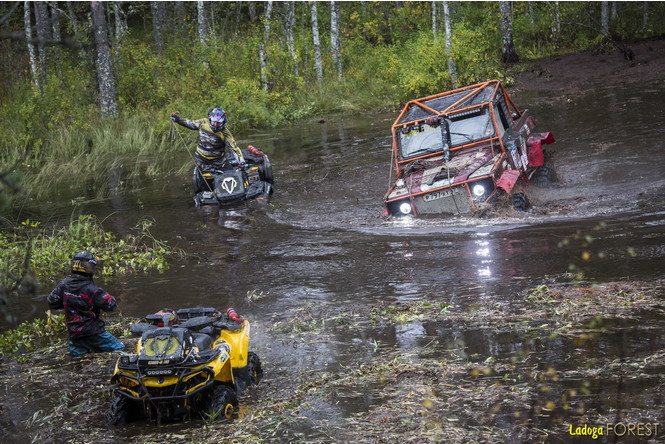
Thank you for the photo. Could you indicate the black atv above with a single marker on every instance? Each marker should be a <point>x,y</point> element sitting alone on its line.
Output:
<point>189,362</point>
<point>233,183</point>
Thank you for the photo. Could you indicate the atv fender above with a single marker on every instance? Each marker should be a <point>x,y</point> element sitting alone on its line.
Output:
<point>535,152</point>
<point>508,180</point>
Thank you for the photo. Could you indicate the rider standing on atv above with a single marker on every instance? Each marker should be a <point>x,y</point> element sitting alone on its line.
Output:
<point>214,139</point>
<point>82,302</point>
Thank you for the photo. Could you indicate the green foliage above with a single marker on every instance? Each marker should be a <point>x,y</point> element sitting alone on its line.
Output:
<point>30,335</point>
<point>51,250</point>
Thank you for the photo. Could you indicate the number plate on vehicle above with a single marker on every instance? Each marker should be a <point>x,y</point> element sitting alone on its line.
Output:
<point>441,194</point>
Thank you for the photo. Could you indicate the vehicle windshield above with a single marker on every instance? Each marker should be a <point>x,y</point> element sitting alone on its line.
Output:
<point>470,128</point>
<point>462,129</point>
<point>421,140</point>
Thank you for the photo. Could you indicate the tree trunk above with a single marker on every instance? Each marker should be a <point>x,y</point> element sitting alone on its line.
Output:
<point>43,36</point>
<point>107,95</point>
<point>121,27</point>
<point>158,17</point>
<point>179,17</point>
<point>605,18</point>
<point>201,22</point>
<point>556,26</point>
<point>645,15</point>
<point>318,64</point>
<point>435,27</point>
<point>508,53</point>
<point>452,69</point>
<point>55,21</point>
<point>263,56</point>
<point>252,12</point>
<point>31,48</point>
<point>290,23</point>
<point>334,39</point>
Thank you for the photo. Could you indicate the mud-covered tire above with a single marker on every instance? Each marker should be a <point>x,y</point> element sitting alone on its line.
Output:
<point>265,170</point>
<point>544,175</point>
<point>120,412</point>
<point>222,403</point>
<point>254,369</point>
<point>520,202</point>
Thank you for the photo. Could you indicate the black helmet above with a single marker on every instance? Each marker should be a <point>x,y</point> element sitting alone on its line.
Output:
<point>84,262</point>
<point>217,119</point>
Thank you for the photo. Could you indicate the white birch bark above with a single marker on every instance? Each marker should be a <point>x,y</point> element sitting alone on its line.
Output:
<point>318,64</point>
<point>31,48</point>
<point>55,21</point>
<point>508,53</point>
<point>107,93</point>
<point>334,38</point>
<point>435,25</point>
<point>263,56</point>
<point>605,18</point>
<point>290,23</point>
<point>43,25</point>
<point>452,68</point>
<point>201,22</point>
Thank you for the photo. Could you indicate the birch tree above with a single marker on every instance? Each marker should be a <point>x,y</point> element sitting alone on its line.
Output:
<point>556,26</point>
<point>263,56</point>
<point>452,69</point>
<point>55,21</point>
<point>43,25</point>
<point>201,22</point>
<point>290,23</point>
<point>508,53</point>
<point>158,17</point>
<point>318,64</point>
<point>435,27</point>
<point>605,18</point>
<point>334,39</point>
<point>27,21</point>
<point>107,93</point>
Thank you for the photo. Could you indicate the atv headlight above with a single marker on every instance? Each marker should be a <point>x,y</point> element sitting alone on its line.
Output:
<point>478,190</point>
<point>405,208</point>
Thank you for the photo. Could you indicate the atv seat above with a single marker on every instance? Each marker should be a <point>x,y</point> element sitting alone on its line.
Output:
<point>196,323</point>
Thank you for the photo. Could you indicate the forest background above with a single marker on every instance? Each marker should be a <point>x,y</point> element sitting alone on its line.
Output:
<point>85,85</point>
<point>103,77</point>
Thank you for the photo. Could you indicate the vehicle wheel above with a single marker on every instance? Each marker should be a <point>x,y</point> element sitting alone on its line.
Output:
<point>254,368</point>
<point>222,403</point>
<point>198,182</point>
<point>120,412</point>
<point>521,202</point>
<point>544,175</point>
<point>266,170</point>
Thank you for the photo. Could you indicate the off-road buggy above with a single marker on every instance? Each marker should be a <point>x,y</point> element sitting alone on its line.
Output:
<point>191,362</point>
<point>454,151</point>
<point>232,182</point>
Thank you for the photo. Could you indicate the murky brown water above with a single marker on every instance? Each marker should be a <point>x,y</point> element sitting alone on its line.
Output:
<point>322,240</point>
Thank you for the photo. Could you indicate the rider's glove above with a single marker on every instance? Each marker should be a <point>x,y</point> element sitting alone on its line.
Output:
<point>175,117</point>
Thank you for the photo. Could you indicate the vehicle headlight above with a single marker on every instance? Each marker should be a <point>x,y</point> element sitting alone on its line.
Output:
<point>478,190</point>
<point>405,208</point>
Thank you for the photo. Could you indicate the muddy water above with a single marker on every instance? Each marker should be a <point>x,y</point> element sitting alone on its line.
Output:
<point>322,242</point>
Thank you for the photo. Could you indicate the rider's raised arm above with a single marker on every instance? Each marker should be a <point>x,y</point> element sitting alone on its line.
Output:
<point>191,124</point>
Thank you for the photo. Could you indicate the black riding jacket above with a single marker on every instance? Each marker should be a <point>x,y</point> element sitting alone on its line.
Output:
<point>82,302</point>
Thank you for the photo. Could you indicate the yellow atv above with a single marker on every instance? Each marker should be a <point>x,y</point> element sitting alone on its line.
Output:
<point>188,362</point>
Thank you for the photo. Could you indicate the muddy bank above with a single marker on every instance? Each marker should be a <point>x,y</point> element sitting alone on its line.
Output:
<point>572,74</point>
<point>433,393</point>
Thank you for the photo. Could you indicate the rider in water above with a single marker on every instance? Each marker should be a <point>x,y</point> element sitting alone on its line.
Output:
<point>214,139</point>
